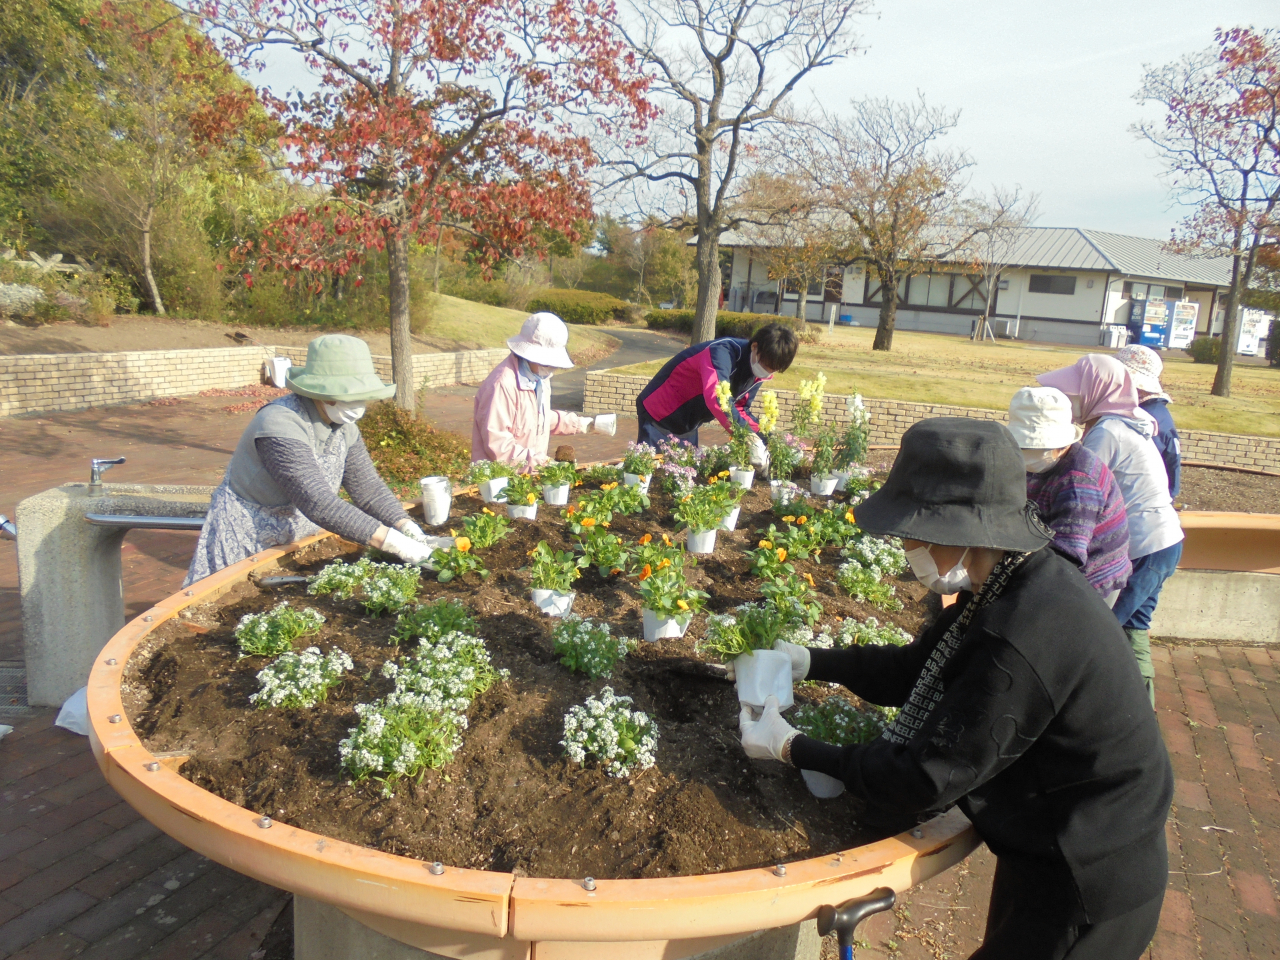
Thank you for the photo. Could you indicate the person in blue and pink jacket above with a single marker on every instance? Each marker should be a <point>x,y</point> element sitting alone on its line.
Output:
<point>682,395</point>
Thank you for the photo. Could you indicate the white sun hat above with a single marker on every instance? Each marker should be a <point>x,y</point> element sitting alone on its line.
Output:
<point>542,340</point>
<point>1040,419</point>
<point>1145,367</point>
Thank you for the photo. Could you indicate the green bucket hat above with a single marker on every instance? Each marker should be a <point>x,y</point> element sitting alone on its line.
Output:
<point>338,368</point>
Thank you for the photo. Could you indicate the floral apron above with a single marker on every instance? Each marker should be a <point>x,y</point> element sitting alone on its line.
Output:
<point>236,528</point>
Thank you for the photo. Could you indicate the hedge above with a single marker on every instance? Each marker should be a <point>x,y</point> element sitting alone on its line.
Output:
<point>579,306</point>
<point>1204,349</point>
<point>728,324</point>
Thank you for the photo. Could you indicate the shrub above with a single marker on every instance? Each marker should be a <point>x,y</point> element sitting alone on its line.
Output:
<point>1204,349</point>
<point>579,306</point>
<point>728,324</point>
<point>405,450</point>
<point>271,633</point>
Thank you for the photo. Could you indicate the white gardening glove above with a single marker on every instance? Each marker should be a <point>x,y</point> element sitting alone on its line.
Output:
<point>759,453</point>
<point>764,739</point>
<point>411,529</point>
<point>406,548</point>
<point>799,658</point>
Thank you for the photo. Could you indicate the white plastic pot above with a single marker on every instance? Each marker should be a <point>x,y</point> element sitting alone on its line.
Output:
<point>731,521</point>
<point>606,423</point>
<point>635,480</point>
<point>656,628</point>
<point>437,497</point>
<point>742,478</point>
<point>778,489</point>
<point>702,541</point>
<point>821,785</point>
<point>842,478</point>
<point>823,486</point>
<point>763,673</point>
<point>553,603</point>
<point>489,488</point>
<point>522,512</point>
<point>556,496</point>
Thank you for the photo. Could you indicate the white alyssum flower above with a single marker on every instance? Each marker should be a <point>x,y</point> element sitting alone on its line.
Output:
<point>588,646</point>
<point>622,739</point>
<point>300,680</point>
<point>869,633</point>
<point>273,632</point>
<point>340,579</point>
<point>881,554</point>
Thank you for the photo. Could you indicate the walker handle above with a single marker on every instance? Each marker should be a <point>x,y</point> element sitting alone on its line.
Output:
<point>845,918</point>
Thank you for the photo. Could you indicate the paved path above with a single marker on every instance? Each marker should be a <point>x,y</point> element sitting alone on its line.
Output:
<point>82,875</point>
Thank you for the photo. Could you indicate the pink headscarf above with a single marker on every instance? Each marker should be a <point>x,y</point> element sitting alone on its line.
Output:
<point>1103,385</point>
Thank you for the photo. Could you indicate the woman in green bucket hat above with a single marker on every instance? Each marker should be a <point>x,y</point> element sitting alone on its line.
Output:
<point>282,482</point>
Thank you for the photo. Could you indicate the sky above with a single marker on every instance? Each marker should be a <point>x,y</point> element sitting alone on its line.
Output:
<point>1045,91</point>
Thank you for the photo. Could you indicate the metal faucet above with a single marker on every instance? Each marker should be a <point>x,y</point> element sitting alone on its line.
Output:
<point>7,530</point>
<point>96,467</point>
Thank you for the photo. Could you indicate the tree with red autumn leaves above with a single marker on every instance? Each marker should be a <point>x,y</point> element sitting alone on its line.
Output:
<point>465,115</point>
<point>1220,139</point>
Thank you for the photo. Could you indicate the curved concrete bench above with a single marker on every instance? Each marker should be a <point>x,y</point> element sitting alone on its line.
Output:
<point>356,901</point>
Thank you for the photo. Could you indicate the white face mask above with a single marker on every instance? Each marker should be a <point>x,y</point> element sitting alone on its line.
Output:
<point>926,571</point>
<point>343,411</point>
<point>1038,461</point>
<point>1077,409</point>
<point>760,372</point>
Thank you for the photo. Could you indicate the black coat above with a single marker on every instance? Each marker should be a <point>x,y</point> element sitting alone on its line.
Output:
<point>1044,736</point>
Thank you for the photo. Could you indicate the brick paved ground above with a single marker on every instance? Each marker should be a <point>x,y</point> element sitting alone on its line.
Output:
<point>82,875</point>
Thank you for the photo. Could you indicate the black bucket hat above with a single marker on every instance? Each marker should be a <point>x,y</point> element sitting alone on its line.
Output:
<point>959,483</point>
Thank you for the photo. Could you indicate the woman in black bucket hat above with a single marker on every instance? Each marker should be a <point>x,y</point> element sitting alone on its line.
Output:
<point>1021,703</point>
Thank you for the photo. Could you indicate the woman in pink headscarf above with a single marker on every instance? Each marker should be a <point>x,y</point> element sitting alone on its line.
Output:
<point>1105,401</point>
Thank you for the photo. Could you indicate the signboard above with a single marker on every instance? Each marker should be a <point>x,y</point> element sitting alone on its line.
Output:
<point>1182,329</point>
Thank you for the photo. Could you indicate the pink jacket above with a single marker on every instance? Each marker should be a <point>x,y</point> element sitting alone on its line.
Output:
<point>507,426</point>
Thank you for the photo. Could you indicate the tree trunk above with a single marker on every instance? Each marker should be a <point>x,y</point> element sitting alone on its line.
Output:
<point>401,347</point>
<point>152,289</point>
<point>707,260</point>
<point>1231,322</point>
<point>435,280</point>
<point>888,315</point>
<point>802,297</point>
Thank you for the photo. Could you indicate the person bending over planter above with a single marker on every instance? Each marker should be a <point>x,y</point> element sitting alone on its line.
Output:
<point>681,397</point>
<point>1021,703</point>
<point>513,420</point>
<point>1145,366</point>
<point>1074,491</point>
<point>283,479</point>
<point>1106,402</point>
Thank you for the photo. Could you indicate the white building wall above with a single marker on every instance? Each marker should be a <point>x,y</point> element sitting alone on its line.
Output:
<point>1084,304</point>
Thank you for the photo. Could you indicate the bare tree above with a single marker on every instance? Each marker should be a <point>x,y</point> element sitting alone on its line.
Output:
<point>1220,139</point>
<point>997,223</point>
<point>786,222</point>
<point>724,70</point>
<point>889,191</point>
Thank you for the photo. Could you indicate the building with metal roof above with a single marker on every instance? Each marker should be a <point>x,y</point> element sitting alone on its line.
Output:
<point>1059,285</point>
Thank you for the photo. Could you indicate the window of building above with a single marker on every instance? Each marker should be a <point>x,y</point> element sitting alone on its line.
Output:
<point>1150,291</point>
<point>1045,283</point>
<point>930,289</point>
<point>874,285</point>
<point>970,292</point>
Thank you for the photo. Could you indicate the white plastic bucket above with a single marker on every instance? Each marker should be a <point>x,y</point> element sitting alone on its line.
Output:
<point>658,629</point>
<point>556,496</point>
<point>742,478</point>
<point>821,785</point>
<point>823,486</point>
<point>634,480</point>
<point>606,423</point>
<point>764,673</point>
<point>437,497</point>
<point>553,603</point>
<point>278,370</point>
<point>730,522</point>
<point>702,541</point>
<point>841,479</point>
<point>522,511</point>
<point>489,488</point>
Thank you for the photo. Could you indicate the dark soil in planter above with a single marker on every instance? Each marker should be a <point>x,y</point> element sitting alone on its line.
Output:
<point>511,800</point>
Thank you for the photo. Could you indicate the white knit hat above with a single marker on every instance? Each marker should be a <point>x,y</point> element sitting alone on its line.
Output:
<point>1040,419</point>
<point>542,340</point>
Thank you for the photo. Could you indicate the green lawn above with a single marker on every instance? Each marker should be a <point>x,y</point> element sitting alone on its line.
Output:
<point>467,325</point>
<point>932,368</point>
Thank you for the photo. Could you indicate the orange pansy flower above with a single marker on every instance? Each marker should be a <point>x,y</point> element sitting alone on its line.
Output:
<point>645,540</point>
<point>782,554</point>
<point>462,544</point>
<point>588,521</point>
<point>646,572</point>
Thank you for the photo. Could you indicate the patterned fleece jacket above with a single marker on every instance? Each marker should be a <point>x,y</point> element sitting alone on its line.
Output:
<point>1081,502</point>
<point>682,395</point>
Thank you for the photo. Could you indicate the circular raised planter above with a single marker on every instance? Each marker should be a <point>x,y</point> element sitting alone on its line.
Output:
<point>476,913</point>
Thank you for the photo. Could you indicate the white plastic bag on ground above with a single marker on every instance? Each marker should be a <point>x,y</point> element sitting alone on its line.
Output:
<point>5,730</point>
<point>74,715</point>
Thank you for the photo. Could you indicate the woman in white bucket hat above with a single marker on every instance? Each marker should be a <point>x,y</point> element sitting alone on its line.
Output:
<point>1145,366</point>
<point>513,420</point>
<point>1075,492</point>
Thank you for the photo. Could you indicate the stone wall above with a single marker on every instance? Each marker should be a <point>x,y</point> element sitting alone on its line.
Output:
<point>607,391</point>
<point>42,383</point>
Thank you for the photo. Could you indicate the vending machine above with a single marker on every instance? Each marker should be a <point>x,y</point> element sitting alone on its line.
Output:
<point>1149,323</point>
<point>1182,326</point>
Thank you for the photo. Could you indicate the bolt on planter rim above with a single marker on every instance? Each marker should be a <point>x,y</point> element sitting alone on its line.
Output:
<point>395,895</point>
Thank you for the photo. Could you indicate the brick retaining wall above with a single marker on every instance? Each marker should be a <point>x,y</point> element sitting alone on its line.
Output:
<point>40,383</point>
<point>607,391</point>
